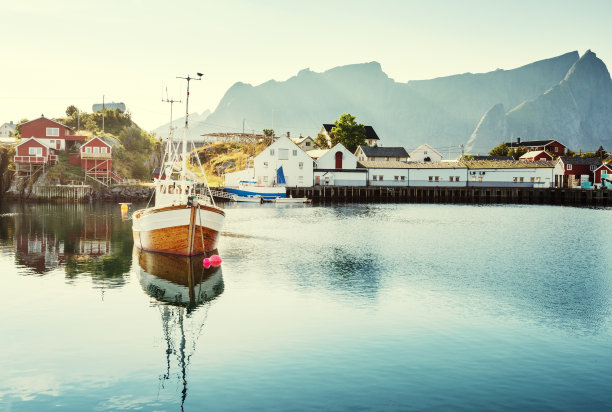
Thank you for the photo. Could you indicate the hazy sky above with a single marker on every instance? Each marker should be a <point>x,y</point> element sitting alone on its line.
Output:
<point>62,52</point>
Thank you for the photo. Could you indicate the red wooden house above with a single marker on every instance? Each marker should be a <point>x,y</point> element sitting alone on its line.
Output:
<point>536,156</point>
<point>54,134</point>
<point>568,170</point>
<point>549,145</point>
<point>602,170</point>
<point>32,154</point>
<point>96,161</point>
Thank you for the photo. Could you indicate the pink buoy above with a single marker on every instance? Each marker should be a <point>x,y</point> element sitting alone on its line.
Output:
<point>206,263</point>
<point>215,260</point>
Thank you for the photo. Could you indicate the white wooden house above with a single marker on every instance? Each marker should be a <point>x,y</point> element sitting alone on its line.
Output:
<point>425,153</point>
<point>385,154</point>
<point>297,166</point>
<point>305,143</point>
<point>339,167</point>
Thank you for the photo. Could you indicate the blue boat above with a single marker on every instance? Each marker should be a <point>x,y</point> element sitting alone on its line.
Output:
<point>250,188</point>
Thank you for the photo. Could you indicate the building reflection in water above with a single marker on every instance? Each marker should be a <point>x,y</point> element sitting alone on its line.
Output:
<point>183,291</point>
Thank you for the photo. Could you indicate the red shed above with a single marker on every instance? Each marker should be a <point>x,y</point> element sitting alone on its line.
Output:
<point>602,170</point>
<point>96,156</point>
<point>31,154</point>
<point>535,156</point>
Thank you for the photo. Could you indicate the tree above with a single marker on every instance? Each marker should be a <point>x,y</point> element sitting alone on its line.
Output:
<point>500,150</point>
<point>268,136</point>
<point>71,110</point>
<point>517,152</point>
<point>601,153</point>
<point>321,141</point>
<point>348,132</point>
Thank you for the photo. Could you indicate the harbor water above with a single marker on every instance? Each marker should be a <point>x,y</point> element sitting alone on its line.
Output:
<point>350,307</point>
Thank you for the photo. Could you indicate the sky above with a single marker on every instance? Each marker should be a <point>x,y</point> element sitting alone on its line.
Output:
<point>63,52</point>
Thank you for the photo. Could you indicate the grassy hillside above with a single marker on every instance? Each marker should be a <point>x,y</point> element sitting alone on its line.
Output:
<point>224,157</point>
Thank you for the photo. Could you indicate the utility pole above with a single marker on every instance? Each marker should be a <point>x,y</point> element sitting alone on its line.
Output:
<point>462,150</point>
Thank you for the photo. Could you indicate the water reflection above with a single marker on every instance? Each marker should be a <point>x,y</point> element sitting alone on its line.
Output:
<point>182,290</point>
<point>81,238</point>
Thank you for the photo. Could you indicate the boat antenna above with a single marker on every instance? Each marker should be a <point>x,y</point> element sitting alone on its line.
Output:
<point>169,142</point>
<point>185,131</point>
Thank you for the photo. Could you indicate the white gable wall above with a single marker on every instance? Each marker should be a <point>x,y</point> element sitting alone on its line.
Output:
<point>297,165</point>
<point>425,151</point>
<point>328,160</point>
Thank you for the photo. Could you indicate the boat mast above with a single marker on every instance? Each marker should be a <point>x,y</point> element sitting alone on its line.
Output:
<point>169,156</point>
<point>186,128</point>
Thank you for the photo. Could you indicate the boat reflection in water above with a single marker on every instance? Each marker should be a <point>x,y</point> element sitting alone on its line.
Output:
<point>184,290</point>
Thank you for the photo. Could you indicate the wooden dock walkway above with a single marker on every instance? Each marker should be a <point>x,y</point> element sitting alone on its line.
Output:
<point>465,195</point>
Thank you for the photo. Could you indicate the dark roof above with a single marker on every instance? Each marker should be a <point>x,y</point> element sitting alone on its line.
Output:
<point>531,143</point>
<point>498,158</point>
<point>596,161</point>
<point>371,151</point>
<point>370,133</point>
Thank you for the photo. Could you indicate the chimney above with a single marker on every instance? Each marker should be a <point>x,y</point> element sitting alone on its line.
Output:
<point>518,140</point>
<point>289,134</point>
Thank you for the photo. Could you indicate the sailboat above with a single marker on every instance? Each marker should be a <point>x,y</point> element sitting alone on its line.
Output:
<point>185,219</point>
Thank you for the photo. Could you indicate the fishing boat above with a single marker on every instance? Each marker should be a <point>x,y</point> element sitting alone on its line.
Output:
<point>253,188</point>
<point>185,219</point>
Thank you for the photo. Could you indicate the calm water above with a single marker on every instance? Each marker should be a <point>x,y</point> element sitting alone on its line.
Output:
<point>367,307</point>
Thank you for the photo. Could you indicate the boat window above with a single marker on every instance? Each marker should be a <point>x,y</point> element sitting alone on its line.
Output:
<point>162,189</point>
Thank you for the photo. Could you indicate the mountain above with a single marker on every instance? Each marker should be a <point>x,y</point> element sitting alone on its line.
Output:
<point>577,111</point>
<point>566,97</point>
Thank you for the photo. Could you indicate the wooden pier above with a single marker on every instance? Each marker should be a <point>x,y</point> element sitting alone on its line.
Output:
<point>69,192</point>
<point>465,195</point>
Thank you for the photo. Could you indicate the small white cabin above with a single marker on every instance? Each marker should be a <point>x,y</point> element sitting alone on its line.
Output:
<point>425,153</point>
<point>339,167</point>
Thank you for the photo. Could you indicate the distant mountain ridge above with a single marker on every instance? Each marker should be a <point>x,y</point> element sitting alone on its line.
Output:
<point>567,97</point>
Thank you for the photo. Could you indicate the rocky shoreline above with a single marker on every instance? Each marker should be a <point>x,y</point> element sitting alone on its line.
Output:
<point>114,194</point>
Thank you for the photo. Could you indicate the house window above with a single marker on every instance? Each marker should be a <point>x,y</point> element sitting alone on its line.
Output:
<point>521,180</point>
<point>380,177</point>
<point>35,151</point>
<point>265,179</point>
<point>424,151</point>
<point>480,179</point>
<point>96,149</point>
<point>569,167</point>
<point>397,158</point>
<point>307,144</point>
<point>103,150</point>
<point>52,131</point>
<point>271,152</point>
<point>437,178</point>
<point>295,152</point>
<point>532,179</point>
<point>430,178</point>
<point>450,178</point>
<point>593,167</point>
<point>514,179</point>
<point>403,177</point>
<point>456,178</point>
<point>473,178</point>
<point>374,177</point>
<point>265,164</point>
<point>396,177</point>
<point>387,158</point>
<point>537,179</point>
<point>301,165</point>
<point>283,154</point>
<point>88,149</point>
<point>300,179</point>
<point>556,149</point>
<point>52,142</point>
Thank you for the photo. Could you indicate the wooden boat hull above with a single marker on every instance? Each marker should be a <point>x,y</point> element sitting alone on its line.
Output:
<point>179,230</point>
